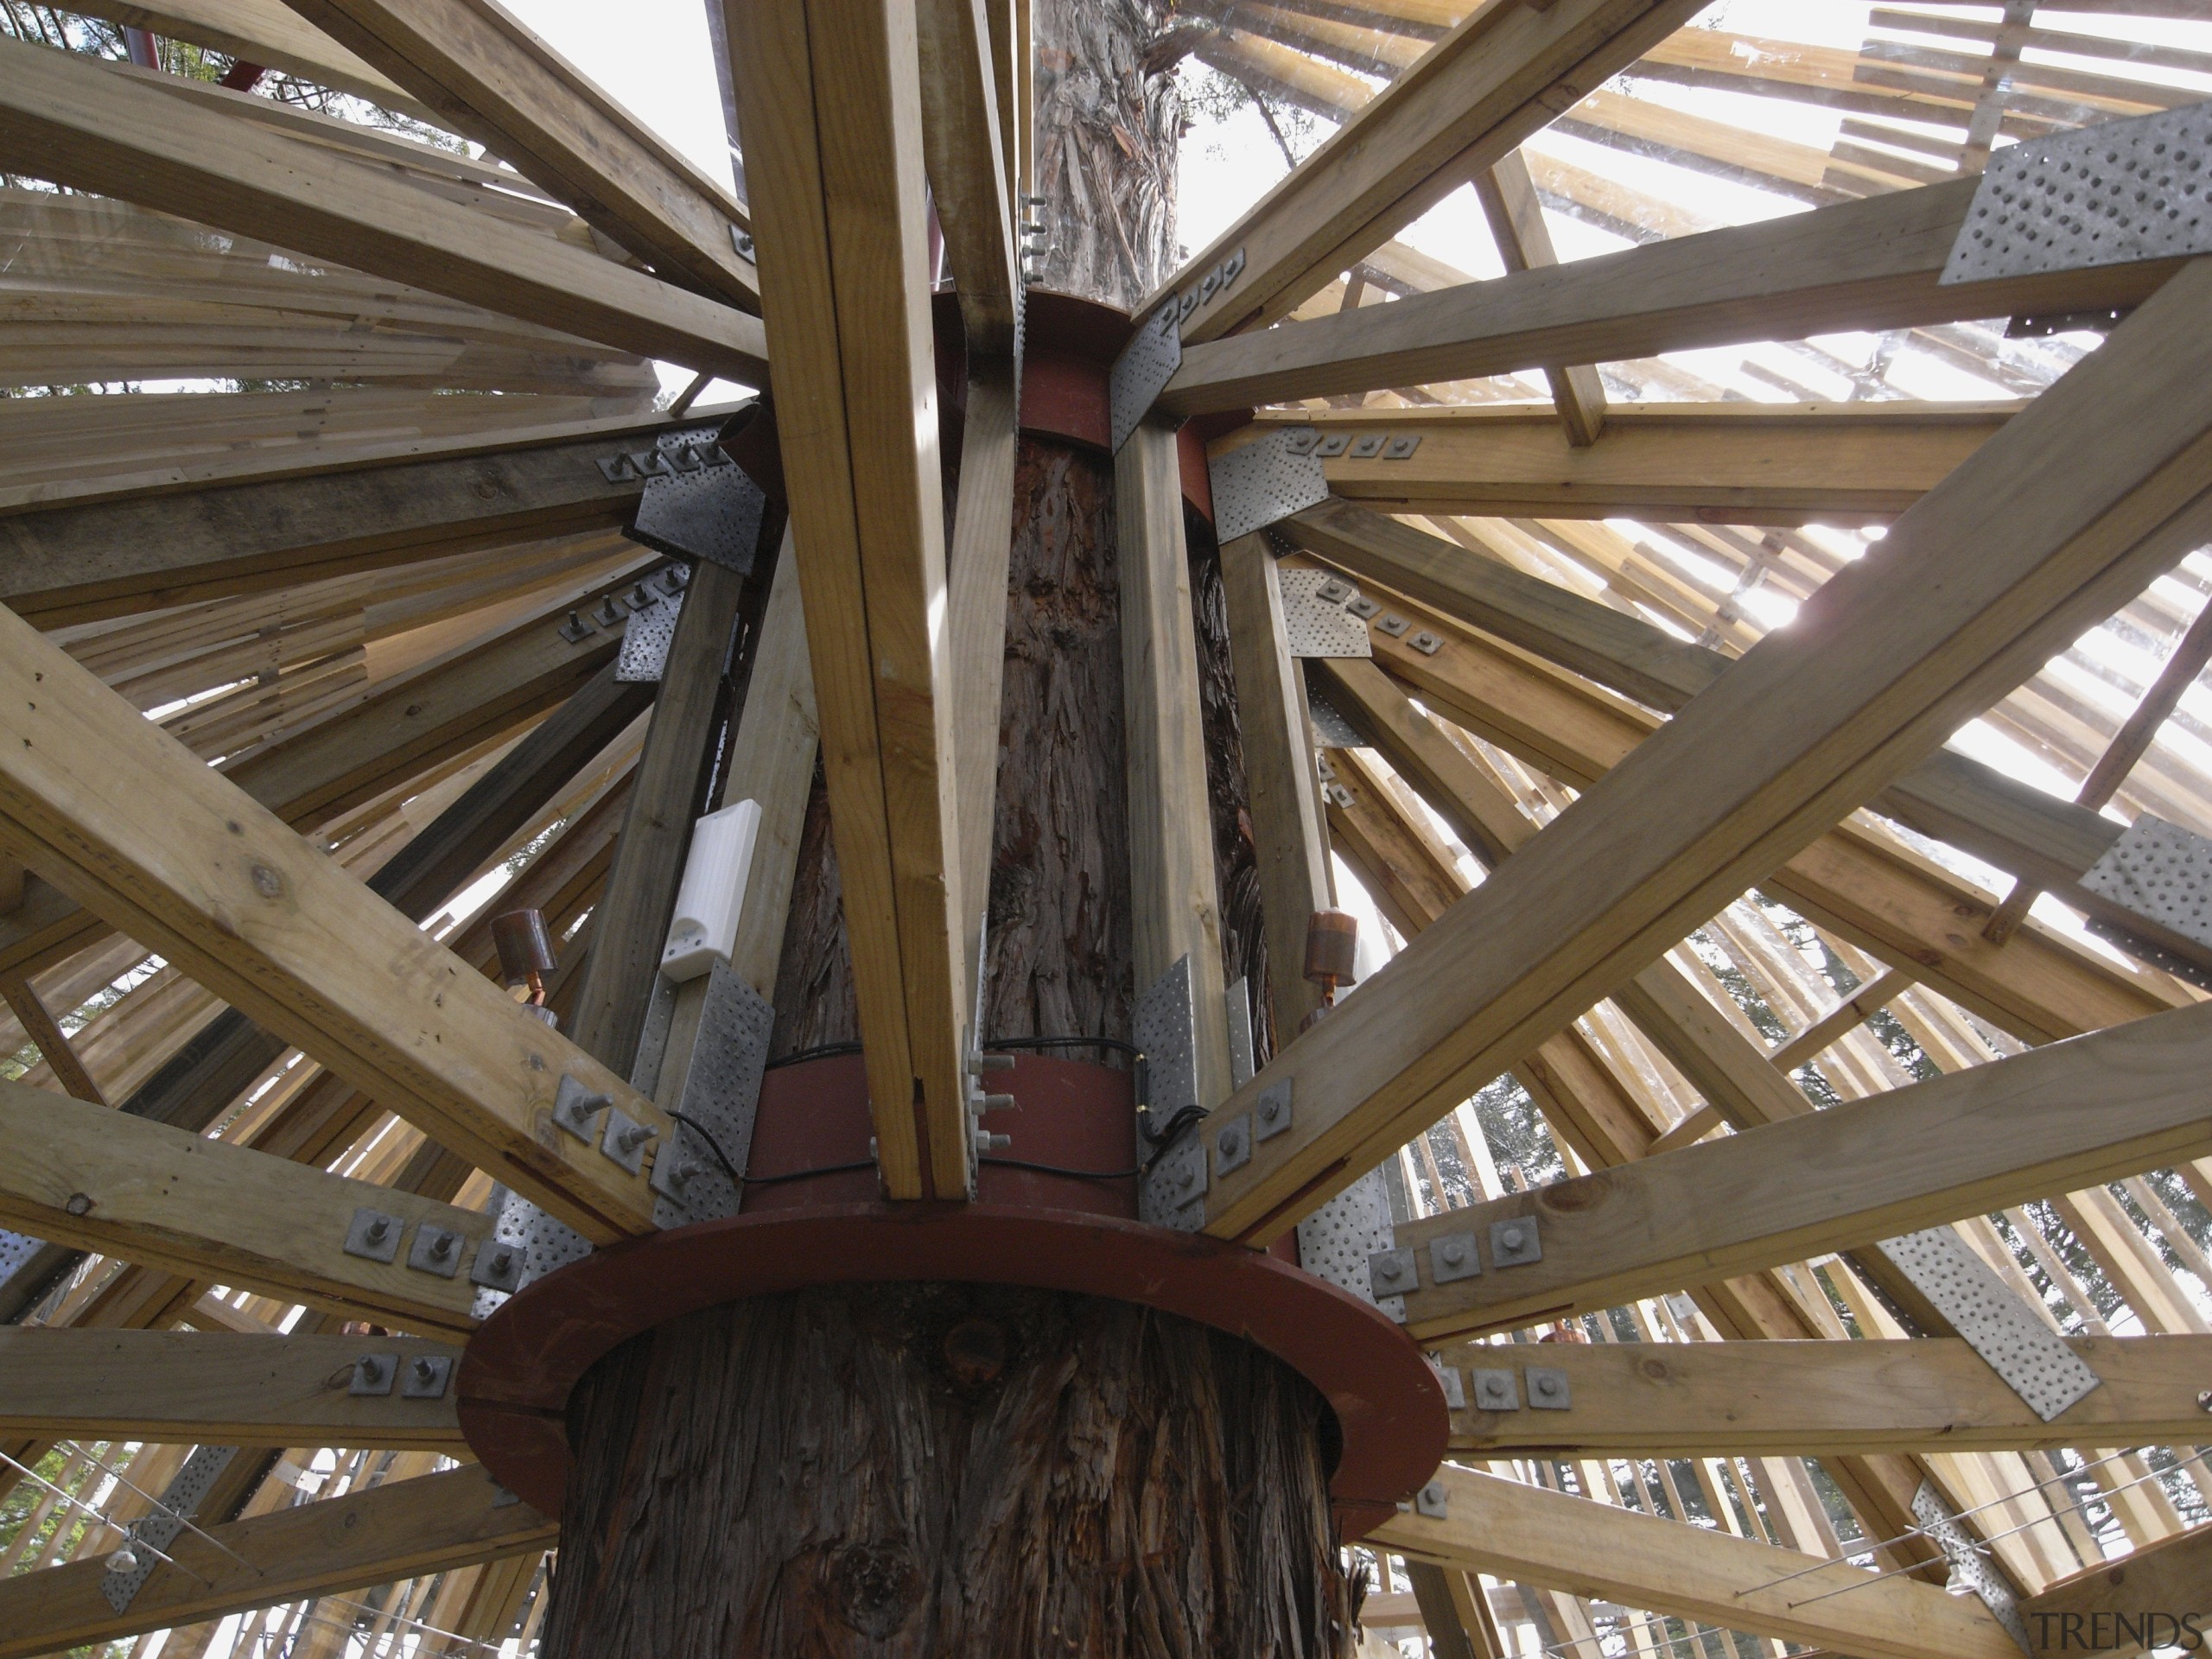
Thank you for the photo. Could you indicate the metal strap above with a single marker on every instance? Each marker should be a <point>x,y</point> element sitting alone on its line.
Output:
<point>180,1500</point>
<point>1969,1565</point>
<point>1335,1242</point>
<point>1263,483</point>
<point>2034,1360</point>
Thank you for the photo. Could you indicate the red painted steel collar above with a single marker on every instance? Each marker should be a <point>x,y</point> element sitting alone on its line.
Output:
<point>520,1368</point>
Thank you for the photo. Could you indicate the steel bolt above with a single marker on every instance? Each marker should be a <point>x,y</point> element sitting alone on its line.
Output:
<point>1547,1386</point>
<point>634,1137</point>
<point>377,1230</point>
<point>441,1246</point>
<point>78,1204</point>
<point>1454,1252</point>
<point>372,1368</point>
<point>425,1369</point>
<point>1389,1269</point>
<point>503,1262</point>
<point>1513,1237</point>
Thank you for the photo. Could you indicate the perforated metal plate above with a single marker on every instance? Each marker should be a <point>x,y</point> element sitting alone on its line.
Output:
<point>1169,1194</point>
<point>1147,364</point>
<point>16,1249</point>
<point>1262,483</point>
<point>1162,1024</point>
<point>180,1499</point>
<point>1331,729</point>
<point>1237,1001</point>
<point>2143,951</point>
<point>1316,626</point>
<point>545,1244</point>
<point>645,640</point>
<point>1336,1240</point>
<point>713,514</point>
<point>1967,1564</point>
<point>723,1092</point>
<point>2033,1359</point>
<point>2163,873</point>
<point>2103,195</point>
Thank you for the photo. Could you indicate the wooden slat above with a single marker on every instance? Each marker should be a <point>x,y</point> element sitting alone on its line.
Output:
<point>1550,1540</point>
<point>491,78</point>
<point>102,1180</point>
<point>192,1388</point>
<point>1964,1144</point>
<point>53,1043</point>
<point>67,118</point>
<point>967,159</point>
<point>1499,76</point>
<point>429,1524</point>
<point>1811,1399</point>
<point>1731,463</point>
<point>2056,523</point>
<point>265,920</point>
<point>263,32</point>
<point>1869,264</point>
<point>829,100</point>
<point>1174,903</point>
<point>1524,242</point>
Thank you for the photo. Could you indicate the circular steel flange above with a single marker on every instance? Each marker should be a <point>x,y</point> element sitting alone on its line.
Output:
<point>520,1366</point>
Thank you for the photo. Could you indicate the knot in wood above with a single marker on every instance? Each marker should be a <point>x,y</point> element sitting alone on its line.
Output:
<point>976,1353</point>
<point>1582,1193</point>
<point>266,881</point>
<point>873,1587</point>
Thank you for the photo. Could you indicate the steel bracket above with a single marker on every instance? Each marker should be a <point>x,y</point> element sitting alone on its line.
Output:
<point>1336,1240</point>
<point>1315,621</point>
<point>1263,483</point>
<point>645,641</point>
<point>721,1093</point>
<point>179,1500</point>
<point>713,514</point>
<point>2035,1361</point>
<point>1141,372</point>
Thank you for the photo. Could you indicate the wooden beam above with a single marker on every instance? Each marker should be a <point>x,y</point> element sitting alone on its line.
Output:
<point>401,1529</point>
<point>1524,242</point>
<point>1499,76</point>
<point>218,885</point>
<point>194,1387</point>
<point>2109,1609</point>
<point>2053,525</point>
<point>489,77</point>
<point>1289,834</point>
<point>829,97</point>
<point>1816,1399</point>
<point>1571,1544</point>
<point>103,1181</point>
<point>967,160</point>
<point>1174,903</point>
<point>681,744</point>
<point>67,118</point>
<point>2022,830</point>
<point>1964,1144</point>
<point>311,517</point>
<point>1871,264</point>
<point>1730,463</point>
<point>53,1042</point>
<point>263,32</point>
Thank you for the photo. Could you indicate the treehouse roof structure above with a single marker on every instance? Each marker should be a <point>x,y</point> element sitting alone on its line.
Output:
<point>1734,632</point>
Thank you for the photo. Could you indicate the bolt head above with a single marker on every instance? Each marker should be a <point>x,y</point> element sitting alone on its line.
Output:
<point>425,1368</point>
<point>441,1246</point>
<point>78,1204</point>
<point>503,1261</point>
<point>1514,1237</point>
<point>376,1230</point>
<point>1547,1386</point>
<point>2204,1400</point>
<point>1454,1252</point>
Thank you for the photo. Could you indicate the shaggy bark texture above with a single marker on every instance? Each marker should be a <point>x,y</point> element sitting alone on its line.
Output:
<point>913,1471</point>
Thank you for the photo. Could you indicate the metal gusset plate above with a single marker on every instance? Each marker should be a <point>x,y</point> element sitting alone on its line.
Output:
<point>1147,364</point>
<point>712,514</point>
<point>2104,195</point>
<point>1314,620</point>
<point>1164,1025</point>
<point>16,1249</point>
<point>1263,483</point>
<point>2161,873</point>
<point>2035,1361</point>
<point>1969,1565</point>
<point>1337,1241</point>
<point>645,640</point>
<point>721,1093</point>
<point>180,1498</point>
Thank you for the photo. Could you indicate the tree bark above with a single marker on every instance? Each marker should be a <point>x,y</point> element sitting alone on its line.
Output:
<point>904,1471</point>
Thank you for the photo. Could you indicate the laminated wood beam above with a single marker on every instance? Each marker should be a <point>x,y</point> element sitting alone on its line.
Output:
<point>401,1529</point>
<point>829,99</point>
<point>221,886</point>
<point>1731,463</point>
<point>103,1181</point>
<point>2051,1120</point>
<point>2021,829</point>
<point>491,78</point>
<point>2053,525</point>
<point>1554,1541</point>
<point>1871,264</point>
<point>310,516</point>
<point>1817,1399</point>
<point>196,1387</point>
<point>1502,74</point>
<point>65,119</point>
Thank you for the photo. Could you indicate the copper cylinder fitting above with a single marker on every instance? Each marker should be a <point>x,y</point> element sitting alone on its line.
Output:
<point>1332,945</point>
<point>525,950</point>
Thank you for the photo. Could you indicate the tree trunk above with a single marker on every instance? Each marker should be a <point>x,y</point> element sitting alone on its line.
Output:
<point>909,1472</point>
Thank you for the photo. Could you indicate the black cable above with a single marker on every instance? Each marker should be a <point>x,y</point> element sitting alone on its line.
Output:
<point>707,1135</point>
<point>1165,1140</point>
<point>820,1051</point>
<point>1055,1169</point>
<point>805,1174</point>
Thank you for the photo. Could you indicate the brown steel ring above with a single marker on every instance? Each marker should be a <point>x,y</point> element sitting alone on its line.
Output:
<point>520,1366</point>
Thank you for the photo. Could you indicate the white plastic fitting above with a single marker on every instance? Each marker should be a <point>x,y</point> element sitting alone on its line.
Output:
<point>712,895</point>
